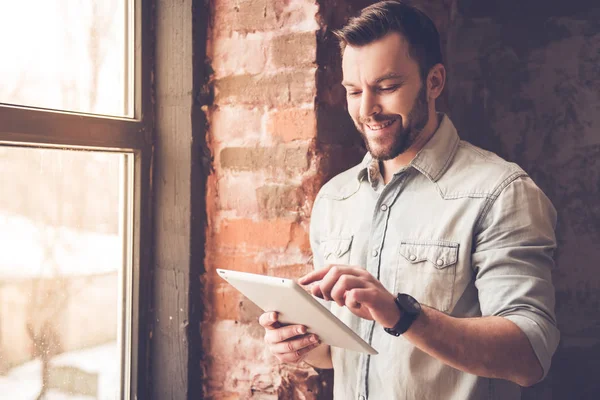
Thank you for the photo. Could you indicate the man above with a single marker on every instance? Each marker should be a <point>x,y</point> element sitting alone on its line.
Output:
<point>436,252</point>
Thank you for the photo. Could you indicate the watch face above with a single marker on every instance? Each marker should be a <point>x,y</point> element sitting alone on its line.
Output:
<point>409,303</point>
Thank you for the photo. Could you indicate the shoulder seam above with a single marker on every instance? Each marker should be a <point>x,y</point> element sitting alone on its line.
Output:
<point>491,199</point>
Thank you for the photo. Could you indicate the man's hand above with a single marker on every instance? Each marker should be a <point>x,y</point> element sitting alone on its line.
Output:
<point>356,289</point>
<point>291,343</point>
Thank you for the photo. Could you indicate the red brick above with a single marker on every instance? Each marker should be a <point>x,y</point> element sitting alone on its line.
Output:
<point>225,303</point>
<point>229,188</point>
<point>293,271</point>
<point>292,124</point>
<point>290,158</point>
<point>229,123</point>
<point>244,15</point>
<point>277,233</point>
<point>238,55</point>
<point>279,200</point>
<point>282,89</point>
<point>239,261</point>
<point>294,50</point>
<point>262,15</point>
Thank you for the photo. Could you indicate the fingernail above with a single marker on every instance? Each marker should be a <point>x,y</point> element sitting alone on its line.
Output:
<point>302,330</point>
<point>273,317</point>
<point>313,339</point>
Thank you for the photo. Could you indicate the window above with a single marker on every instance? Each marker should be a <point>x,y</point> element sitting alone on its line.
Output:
<point>67,55</point>
<point>75,148</point>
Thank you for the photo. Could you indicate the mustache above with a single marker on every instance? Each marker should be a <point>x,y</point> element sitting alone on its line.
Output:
<point>377,118</point>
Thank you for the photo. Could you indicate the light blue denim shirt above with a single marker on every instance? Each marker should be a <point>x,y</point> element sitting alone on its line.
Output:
<point>459,229</point>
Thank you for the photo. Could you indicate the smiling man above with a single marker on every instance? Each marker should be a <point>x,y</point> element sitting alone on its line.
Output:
<point>436,252</point>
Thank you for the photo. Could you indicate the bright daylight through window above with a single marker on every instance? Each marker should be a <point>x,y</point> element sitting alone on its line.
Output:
<point>60,271</point>
<point>67,55</point>
<point>69,209</point>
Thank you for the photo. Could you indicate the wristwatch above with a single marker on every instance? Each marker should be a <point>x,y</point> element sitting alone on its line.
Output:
<point>409,311</point>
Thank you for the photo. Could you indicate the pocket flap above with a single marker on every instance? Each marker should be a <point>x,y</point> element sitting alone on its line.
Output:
<point>336,247</point>
<point>440,254</point>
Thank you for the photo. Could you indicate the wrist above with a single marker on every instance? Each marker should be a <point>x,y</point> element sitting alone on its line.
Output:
<point>408,310</point>
<point>395,315</point>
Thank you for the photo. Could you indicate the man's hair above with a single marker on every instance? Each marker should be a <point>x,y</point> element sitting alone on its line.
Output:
<point>379,19</point>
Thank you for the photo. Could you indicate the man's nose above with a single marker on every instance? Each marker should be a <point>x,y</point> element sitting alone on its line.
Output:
<point>368,105</point>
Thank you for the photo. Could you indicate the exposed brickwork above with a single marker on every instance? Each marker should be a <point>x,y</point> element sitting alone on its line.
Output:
<point>291,158</point>
<point>262,135</point>
<point>279,200</point>
<point>236,124</point>
<point>281,89</point>
<point>294,50</point>
<point>267,234</point>
<point>292,124</point>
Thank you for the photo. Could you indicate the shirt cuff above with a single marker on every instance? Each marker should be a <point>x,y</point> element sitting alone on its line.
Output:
<point>543,337</point>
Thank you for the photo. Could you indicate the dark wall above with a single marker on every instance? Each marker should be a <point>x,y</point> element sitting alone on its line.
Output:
<point>524,82</point>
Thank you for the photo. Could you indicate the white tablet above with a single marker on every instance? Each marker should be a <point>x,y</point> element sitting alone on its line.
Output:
<point>296,306</point>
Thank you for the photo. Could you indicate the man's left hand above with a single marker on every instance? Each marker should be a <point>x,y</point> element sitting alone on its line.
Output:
<point>356,289</point>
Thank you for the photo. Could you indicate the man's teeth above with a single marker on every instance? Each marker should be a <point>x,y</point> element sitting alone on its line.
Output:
<point>381,126</point>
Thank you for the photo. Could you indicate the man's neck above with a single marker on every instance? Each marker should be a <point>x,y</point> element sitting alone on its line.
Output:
<point>390,167</point>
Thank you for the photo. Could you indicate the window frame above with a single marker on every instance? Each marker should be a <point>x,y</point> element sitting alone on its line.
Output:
<point>41,128</point>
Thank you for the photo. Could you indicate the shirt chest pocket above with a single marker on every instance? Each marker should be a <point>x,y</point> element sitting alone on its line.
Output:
<point>336,250</point>
<point>427,271</point>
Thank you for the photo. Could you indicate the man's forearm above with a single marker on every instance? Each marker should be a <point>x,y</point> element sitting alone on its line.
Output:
<point>320,357</point>
<point>493,347</point>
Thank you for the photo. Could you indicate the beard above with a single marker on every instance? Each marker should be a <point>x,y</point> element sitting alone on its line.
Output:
<point>405,135</point>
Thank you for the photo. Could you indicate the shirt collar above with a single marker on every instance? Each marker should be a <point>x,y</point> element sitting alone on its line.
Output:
<point>432,160</point>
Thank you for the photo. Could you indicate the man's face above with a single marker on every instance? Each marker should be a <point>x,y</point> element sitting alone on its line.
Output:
<point>387,99</point>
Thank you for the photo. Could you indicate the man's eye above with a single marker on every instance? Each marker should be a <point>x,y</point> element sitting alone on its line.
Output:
<point>389,88</point>
<point>354,93</point>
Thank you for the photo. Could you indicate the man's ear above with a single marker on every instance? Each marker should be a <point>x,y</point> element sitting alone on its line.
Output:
<point>436,80</point>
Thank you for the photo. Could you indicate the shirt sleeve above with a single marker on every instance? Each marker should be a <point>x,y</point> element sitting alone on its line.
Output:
<point>513,260</point>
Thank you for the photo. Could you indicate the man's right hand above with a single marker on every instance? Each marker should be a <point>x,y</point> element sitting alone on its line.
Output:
<point>290,343</point>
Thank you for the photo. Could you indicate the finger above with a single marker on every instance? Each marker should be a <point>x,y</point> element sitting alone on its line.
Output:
<point>357,297</point>
<point>314,275</point>
<point>316,291</point>
<point>344,284</point>
<point>268,320</point>
<point>282,334</point>
<point>298,355</point>
<point>293,345</point>
<point>331,278</point>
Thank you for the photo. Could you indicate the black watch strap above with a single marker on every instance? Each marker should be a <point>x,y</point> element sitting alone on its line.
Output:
<point>410,309</point>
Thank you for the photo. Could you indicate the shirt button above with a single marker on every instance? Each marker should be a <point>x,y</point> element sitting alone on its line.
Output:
<point>384,207</point>
<point>413,257</point>
<point>361,397</point>
<point>440,262</point>
<point>375,253</point>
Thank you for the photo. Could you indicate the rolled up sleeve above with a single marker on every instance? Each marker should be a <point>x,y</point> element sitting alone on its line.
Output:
<point>513,260</point>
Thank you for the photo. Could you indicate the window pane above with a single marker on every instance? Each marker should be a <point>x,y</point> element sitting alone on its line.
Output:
<point>68,55</point>
<point>63,269</point>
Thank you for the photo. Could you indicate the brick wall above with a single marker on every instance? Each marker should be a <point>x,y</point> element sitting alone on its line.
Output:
<point>262,134</point>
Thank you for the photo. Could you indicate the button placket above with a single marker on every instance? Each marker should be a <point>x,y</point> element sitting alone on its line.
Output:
<point>378,229</point>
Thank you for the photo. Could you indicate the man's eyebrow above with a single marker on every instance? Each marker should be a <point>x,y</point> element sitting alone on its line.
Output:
<point>391,75</point>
